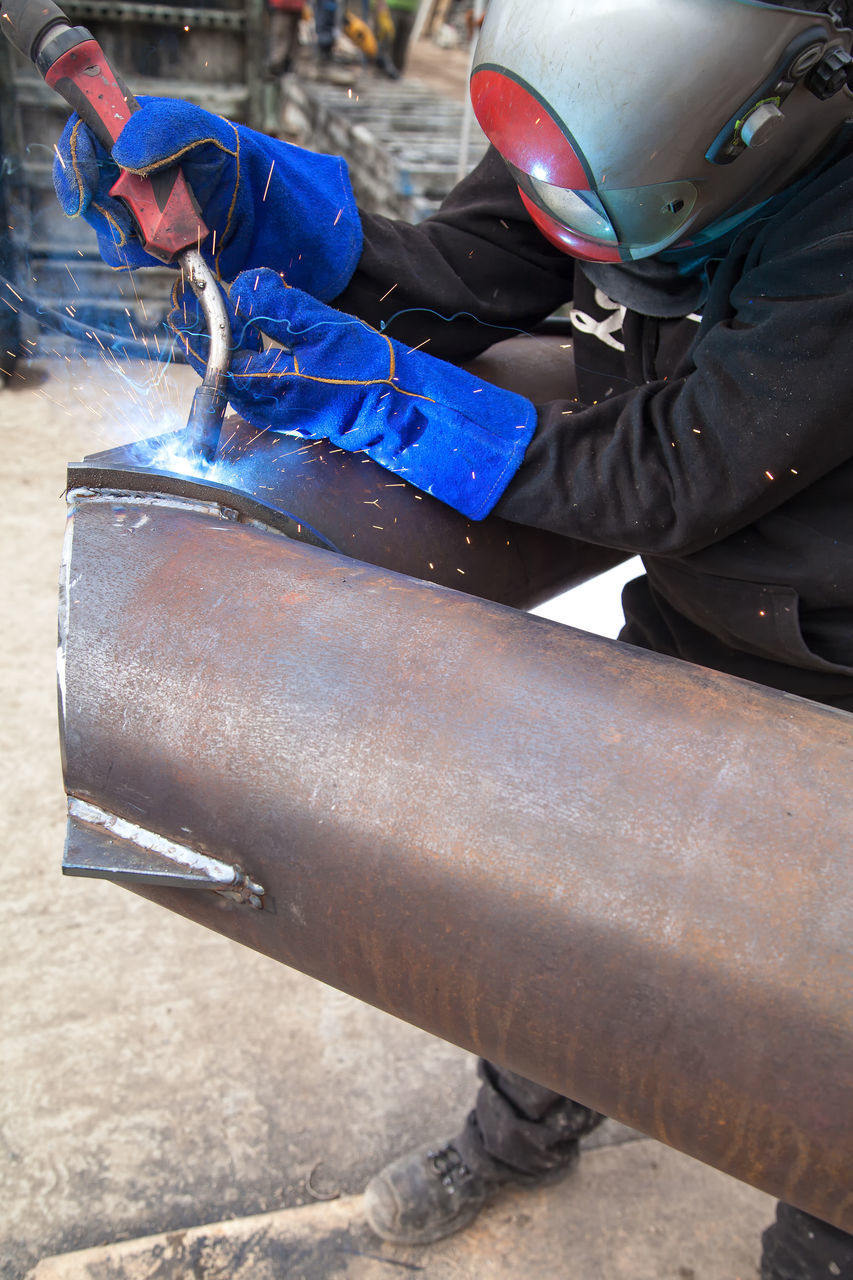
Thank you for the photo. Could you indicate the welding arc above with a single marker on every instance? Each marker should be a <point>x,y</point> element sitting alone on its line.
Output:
<point>93,336</point>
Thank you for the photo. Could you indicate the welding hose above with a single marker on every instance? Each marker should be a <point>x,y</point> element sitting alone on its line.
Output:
<point>94,336</point>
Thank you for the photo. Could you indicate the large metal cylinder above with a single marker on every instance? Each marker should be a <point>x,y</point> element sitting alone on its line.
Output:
<point>622,876</point>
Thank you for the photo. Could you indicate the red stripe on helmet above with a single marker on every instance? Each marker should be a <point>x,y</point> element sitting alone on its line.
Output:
<point>524,131</point>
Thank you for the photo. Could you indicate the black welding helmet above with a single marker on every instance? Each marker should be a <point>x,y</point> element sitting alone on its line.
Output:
<point>632,126</point>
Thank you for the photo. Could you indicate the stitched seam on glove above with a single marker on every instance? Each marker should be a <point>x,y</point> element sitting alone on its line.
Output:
<point>146,170</point>
<point>76,169</point>
<point>336,382</point>
<point>296,372</point>
<point>499,485</point>
<point>119,238</point>
<point>223,242</point>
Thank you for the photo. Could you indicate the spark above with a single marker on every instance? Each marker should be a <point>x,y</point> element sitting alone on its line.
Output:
<point>338,218</point>
<point>56,402</point>
<point>391,290</point>
<point>269,178</point>
<point>9,305</point>
<point>418,347</point>
<point>230,438</point>
<point>56,149</point>
<point>769,475</point>
<point>11,290</point>
<point>259,433</point>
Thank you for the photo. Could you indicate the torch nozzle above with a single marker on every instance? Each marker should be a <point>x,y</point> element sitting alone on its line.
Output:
<point>204,424</point>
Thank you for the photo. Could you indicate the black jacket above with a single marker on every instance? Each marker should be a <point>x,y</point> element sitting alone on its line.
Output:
<point>718,446</point>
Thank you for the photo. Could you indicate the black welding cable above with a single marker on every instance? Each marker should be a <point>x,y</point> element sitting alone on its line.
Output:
<point>143,348</point>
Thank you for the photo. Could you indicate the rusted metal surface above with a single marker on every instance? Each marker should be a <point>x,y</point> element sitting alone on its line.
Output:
<point>622,876</point>
<point>317,493</point>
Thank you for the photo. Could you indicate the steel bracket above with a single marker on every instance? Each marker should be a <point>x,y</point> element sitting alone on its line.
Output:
<point>104,846</point>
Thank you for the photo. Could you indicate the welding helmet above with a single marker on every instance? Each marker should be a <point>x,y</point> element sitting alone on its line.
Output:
<point>634,125</point>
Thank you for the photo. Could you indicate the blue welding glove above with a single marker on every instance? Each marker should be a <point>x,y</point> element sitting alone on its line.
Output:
<point>269,203</point>
<point>334,377</point>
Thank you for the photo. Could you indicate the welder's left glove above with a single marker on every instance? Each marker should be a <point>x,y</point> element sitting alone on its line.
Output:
<point>265,202</point>
<point>442,429</point>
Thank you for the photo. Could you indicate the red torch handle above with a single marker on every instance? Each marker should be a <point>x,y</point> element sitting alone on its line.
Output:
<point>162,205</point>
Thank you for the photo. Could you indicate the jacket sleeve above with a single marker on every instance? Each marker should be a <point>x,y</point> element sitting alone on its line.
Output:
<point>475,272</point>
<point>761,412</point>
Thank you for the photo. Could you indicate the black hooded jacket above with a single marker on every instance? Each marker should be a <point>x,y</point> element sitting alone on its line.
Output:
<point>713,434</point>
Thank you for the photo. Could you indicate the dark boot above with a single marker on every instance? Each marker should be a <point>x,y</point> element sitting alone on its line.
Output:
<point>437,1190</point>
<point>799,1246</point>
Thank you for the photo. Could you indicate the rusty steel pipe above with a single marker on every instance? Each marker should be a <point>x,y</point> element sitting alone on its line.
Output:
<point>622,876</point>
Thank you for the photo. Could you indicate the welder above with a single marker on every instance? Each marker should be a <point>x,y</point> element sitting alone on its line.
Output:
<point>680,174</point>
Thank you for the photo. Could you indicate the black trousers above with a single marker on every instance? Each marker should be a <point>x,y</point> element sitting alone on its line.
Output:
<point>533,1130</point>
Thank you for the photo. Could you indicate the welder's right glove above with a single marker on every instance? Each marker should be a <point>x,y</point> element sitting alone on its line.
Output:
<point>266,203</point>
<point>334,377</point>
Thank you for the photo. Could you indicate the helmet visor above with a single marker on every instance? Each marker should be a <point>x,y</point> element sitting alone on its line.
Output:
<point>600,226</point>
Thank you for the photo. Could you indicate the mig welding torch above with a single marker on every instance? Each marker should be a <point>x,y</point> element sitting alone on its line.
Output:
<point>163,207</point>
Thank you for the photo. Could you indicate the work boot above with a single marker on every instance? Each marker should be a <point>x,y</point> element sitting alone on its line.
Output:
<point>433,1191</point>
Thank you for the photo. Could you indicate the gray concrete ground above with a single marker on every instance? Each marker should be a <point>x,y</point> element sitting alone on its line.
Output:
<point>157,1078</point>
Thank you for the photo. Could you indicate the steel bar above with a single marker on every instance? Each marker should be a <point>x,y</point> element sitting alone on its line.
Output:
<point>623,876</point>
